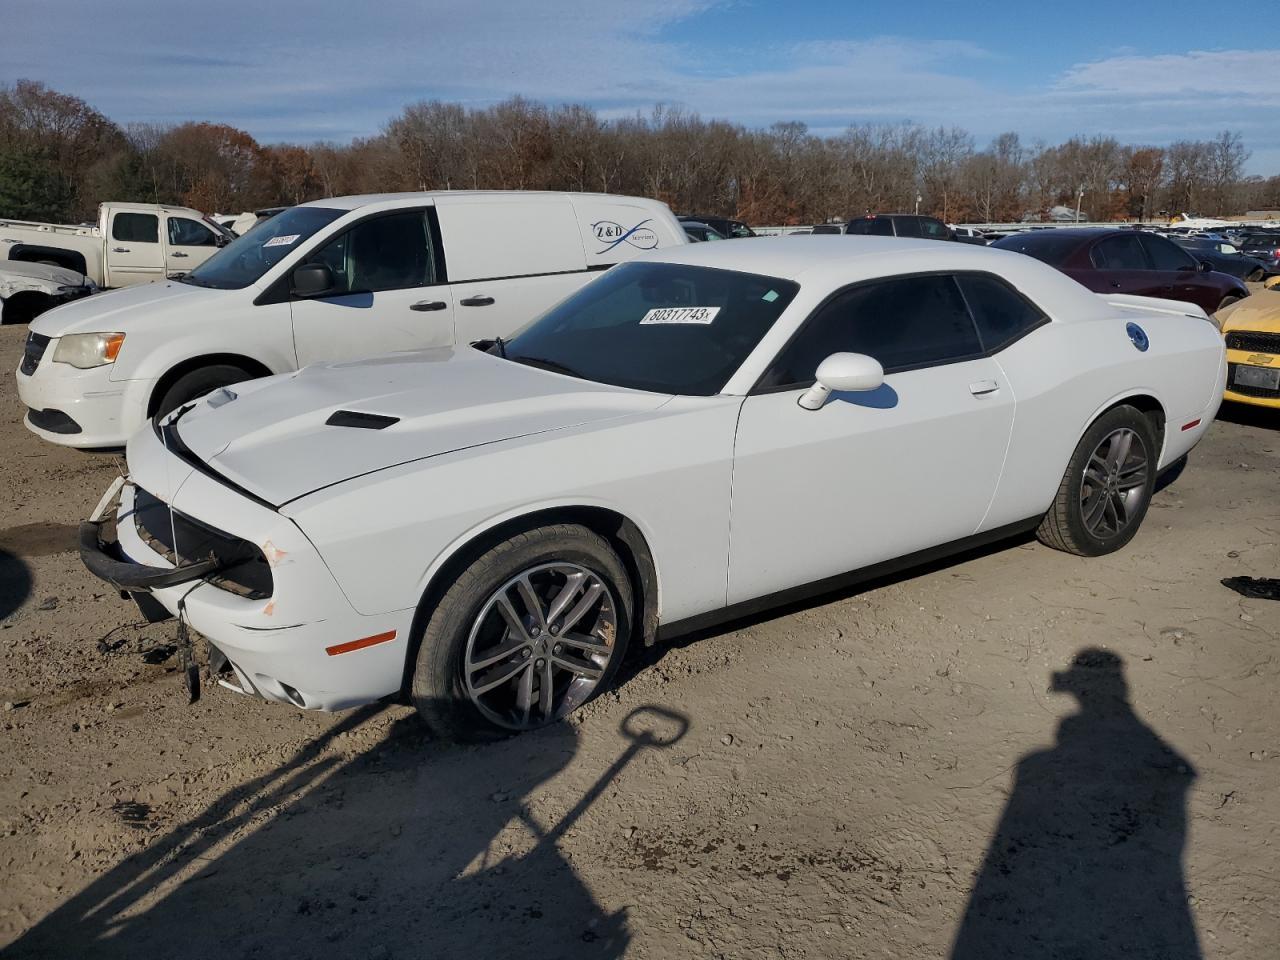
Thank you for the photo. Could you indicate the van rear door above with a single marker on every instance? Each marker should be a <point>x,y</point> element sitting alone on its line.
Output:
<point>509,258</point>
<point>134,253</point>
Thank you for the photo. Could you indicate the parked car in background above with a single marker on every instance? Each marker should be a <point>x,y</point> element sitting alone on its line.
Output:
<point>1225,257</point>
<point>968,235</point>
<point>1251,330</point>
<point>1265,247</point>
<point>898,225</point>
<point>827,228</point>
<point>728,228</point>
<point>1129,261</point>
<point>335,279</point>
<point>29,289</point>
<point>488,530</point>
<point>132,243</point>
<point>700,232</point>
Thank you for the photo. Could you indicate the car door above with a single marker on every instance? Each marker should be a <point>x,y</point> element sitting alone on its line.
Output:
<point>387,295</point>
<point>134,252</point>
<point>870,476</point>
<point>1181,271</point>
<point>1123,267</point>
<point>190,243</point>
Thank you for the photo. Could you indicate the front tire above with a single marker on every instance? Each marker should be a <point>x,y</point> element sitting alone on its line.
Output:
<point>1107,487</point>
<point>530,631</point>
<point>195,384</point>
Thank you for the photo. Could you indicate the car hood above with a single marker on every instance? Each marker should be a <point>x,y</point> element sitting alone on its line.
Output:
<point>126,309</point>
<point>1259,313</point>
<point>273,440</point>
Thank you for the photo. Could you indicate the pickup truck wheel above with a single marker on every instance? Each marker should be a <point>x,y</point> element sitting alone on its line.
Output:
<point>193,385</point>
<point>529,632</point>
<point>1104,494</point>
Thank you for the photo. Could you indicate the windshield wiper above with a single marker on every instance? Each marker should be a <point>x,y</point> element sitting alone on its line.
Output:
<point>554,366</point>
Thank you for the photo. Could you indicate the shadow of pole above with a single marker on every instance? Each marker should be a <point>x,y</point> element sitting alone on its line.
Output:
<point>406,850</point>
<point>1087,858</point>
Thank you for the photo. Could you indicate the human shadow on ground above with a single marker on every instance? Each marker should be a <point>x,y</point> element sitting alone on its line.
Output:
<point>15,583</point>
<point>411,849</point>
<point>1087,859</point>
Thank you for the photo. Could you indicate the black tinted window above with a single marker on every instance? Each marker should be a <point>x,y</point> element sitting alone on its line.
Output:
<point>1166,255</point>
<point>387,253</point>
<point>1002,314</point>
<point>1050,248</point>
<point>934,229</point>
<point>873,227</point>
<point>1119,253</point>
<point>184,232</point>
<point>911,322</point>
<point>907,227</point>
<point>136,227</point>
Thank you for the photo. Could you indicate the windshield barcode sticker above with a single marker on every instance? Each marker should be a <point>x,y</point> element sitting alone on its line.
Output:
<point>702,315</point>
<point>285,241</point>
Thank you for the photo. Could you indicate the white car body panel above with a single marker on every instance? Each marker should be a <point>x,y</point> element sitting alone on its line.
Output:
<point>737,495</point>
<point>525,250</point>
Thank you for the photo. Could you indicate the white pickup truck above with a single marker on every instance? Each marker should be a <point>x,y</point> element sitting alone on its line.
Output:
<point>132,243</point>
<point>332,280</point>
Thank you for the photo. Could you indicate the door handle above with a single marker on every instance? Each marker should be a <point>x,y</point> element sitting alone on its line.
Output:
<point>479,300</point>
<point>981,388</point>
<point>179,254</point>
<point>119,249</point>
<point>424,306</point>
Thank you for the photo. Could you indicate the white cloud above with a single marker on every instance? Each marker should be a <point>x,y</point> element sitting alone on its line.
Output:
<point>331,69</point>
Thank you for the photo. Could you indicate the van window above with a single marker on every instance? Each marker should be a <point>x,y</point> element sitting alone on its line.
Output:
<point>136,228</point>
<point>385,253</point>
<point>498,237</point>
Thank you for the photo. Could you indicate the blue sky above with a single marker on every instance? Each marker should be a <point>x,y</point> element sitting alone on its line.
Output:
<point>333,69</point>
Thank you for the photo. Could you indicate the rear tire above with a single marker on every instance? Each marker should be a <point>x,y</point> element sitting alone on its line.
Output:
<point>1226,302</point>
<point>1256,277</point>
<point>1107,486</point>
<point>193,385</point>
<point>469,626</point>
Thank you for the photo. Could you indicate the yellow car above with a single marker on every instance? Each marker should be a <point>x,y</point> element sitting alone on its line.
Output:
<point>1252,330</point>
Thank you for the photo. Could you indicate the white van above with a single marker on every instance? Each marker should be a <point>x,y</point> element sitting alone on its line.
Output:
<point>335,279</point>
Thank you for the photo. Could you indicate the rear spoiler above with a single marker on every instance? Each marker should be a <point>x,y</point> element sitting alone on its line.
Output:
<point>1176,308</point>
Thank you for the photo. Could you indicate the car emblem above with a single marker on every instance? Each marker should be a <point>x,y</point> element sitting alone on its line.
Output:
<point>1138,336</point>
<point>1260,359</point>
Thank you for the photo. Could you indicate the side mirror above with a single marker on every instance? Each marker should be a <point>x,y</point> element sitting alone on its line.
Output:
<point>843,373</point>
<point>311,280</point>
<point>1205,266</point>
<point>220,240</point>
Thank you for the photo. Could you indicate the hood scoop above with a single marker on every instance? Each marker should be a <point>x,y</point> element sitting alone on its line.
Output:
<point>362,421</point>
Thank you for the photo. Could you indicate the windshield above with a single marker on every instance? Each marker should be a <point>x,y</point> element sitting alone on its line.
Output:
<point>247,258</point>
<point>665,327</point>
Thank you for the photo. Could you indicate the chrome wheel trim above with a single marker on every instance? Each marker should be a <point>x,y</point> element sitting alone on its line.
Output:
<point>540,645</point>
<point>1113,487</point>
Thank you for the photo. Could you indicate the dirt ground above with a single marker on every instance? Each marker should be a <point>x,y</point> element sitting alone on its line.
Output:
<point>913,770</point>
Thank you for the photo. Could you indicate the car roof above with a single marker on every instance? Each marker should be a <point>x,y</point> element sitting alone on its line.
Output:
<point>356,201</point>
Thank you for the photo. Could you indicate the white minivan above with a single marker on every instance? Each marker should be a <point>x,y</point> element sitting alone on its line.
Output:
<point>335,279</point>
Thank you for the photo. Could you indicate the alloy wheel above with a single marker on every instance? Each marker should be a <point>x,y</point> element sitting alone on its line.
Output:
<point>540,645</point>
<point>1114,486</point>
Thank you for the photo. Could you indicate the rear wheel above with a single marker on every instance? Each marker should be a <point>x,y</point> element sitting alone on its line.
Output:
<point>193,385</point>
<point>1104,494</point>
<point>530,631</point>
<point>1256,277</point>
<point>1226,302</point>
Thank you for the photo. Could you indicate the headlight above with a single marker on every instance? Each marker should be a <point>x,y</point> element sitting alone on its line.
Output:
<point>85,350</point>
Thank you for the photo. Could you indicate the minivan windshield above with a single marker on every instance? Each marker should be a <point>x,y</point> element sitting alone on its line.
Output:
<point>665,327</point>
<point>247,258</point>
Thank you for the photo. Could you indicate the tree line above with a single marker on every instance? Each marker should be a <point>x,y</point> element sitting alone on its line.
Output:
<point>59,157</point>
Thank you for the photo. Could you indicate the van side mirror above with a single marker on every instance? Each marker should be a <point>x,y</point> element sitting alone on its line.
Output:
<point>843,373</point>
<point>311,280</point>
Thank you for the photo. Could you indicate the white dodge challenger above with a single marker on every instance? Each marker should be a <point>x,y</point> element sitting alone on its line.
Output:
<point>691,435</point>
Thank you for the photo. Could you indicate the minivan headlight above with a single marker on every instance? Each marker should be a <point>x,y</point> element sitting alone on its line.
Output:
<point>85,350</point>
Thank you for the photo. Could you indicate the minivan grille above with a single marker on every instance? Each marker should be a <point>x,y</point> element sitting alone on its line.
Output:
<point>37,344</point>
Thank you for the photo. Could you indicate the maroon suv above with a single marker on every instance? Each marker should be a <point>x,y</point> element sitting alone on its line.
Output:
<point>1129,261</point>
